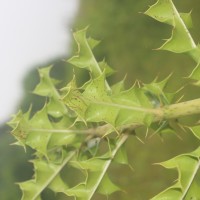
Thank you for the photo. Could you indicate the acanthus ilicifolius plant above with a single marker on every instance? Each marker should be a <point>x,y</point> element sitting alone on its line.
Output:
<point>85,128</point>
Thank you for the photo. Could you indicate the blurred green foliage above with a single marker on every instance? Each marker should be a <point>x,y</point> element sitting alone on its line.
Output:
<point>128,38</point>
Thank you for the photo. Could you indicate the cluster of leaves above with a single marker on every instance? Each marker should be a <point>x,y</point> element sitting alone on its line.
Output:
<point>187,165</point>
<point>85,127</point>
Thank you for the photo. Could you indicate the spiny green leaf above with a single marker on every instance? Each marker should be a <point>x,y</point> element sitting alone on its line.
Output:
<point>80,192</point>
<point>54,108</point>
<point>36,139</point>
<point>186,17</point>
<point>195,53</point>
<point>45,175</point>
<point>155,92</point>
<point>107,187</point>
<point>95,104</point>
<point>134,107</point>
<point>180,41</point>
<point>96,173</point>
<point>47,88</point>
<point>92,42</point>
<point>93,164</point>
<point>187,166</point>
<point>44,88</point>
<point>157,87</point>
<point>20,124</point>
<point>118,87</point>
<point>59,139</point>
<point>194,192</point>
<point>121,156</point>
<point>195,75</point>
<point>163,11</point>
<point>41,134</point>
<point>85,58</point>
<point>58,185</point>
<point>105,67</point>
<point>196,131</point>
<point>76,104</point>
<point>94,95</point>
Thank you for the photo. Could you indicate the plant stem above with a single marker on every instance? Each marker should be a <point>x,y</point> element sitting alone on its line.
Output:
<point>163,113</point>
<point>181,109</point>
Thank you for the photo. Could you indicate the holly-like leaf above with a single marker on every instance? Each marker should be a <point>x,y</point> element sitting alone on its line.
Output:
<point>35,138</point>
<point>96,173</point>
<point>187,166</point>
<point>180,40</point>
<point>195,75</point>
<point>107,187</point>
<point>95,104</point>
<point>118,87</point>
<point>85,58</point>
<point>19,124</point>
<point>44,88</point>
<point>121,156</point>
<point>105,67</point>
<point>163,11</point>
<point>46,175</point>
<point>196,131</point>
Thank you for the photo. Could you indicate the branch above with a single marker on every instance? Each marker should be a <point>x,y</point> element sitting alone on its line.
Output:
<point>181,109</point>
<point>163,113</point>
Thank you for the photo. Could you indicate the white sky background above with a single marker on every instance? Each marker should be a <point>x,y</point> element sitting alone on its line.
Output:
<point>31,32</point>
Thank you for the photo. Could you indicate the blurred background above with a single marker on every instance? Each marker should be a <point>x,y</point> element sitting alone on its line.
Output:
<point>35,34</point>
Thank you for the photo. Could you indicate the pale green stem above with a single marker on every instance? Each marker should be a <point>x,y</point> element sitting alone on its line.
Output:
<point>181,109</point>
<point>173,111</point>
